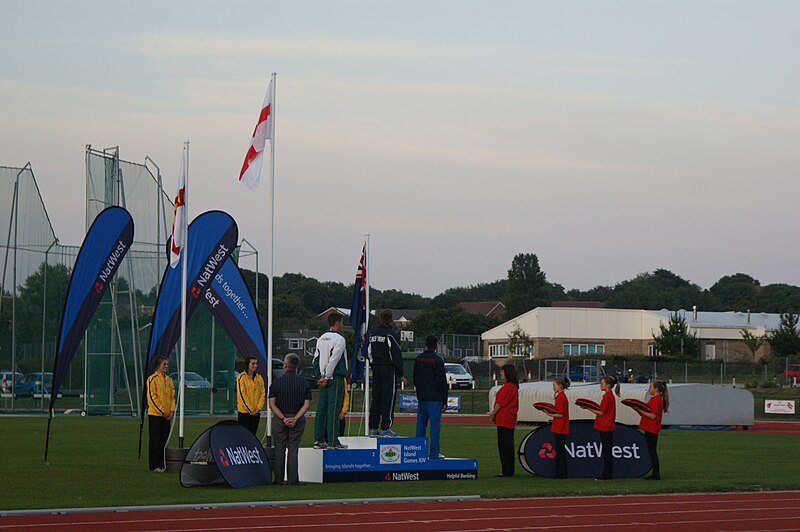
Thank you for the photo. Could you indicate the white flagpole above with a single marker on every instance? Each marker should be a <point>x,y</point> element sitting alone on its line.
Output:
<point>366,334</point>
<point>184,258</point>
<point>271,250</point>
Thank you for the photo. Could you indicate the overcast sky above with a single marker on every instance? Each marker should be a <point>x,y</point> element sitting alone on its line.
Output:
<point>609,138</point>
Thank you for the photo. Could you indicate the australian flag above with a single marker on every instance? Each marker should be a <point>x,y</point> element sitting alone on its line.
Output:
<point>358,320</point>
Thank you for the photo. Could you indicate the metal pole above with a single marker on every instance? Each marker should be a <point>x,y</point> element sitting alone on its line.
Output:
<point>14,282</point>
<point>271,250</point>
<point>184,259</point>
<point>44,308</point>
<point>366,332</point>
<point>213,326</point>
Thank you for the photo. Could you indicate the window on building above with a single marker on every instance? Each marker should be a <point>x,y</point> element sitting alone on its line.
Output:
<point>583,349</point>
<point>498,350</point>
<point>522,350</point>
<point>652,351</point>
<point>294,344</point>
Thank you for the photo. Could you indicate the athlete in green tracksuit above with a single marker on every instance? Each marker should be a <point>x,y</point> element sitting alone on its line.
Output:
<point>330,362</point>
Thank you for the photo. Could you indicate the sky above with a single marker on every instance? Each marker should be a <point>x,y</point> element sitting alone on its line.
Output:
<point>609,138</point>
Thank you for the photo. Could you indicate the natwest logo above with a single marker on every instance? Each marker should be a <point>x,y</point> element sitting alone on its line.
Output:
<point>406,475</point>
<point>595,450</point>
<point>547,451</point>
<point>242,455</point>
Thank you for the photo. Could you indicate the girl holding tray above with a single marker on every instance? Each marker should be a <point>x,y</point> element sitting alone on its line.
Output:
<point>651,422</point>
<point>504,415</point>
<point>604,423</point>
<point>560,427</point>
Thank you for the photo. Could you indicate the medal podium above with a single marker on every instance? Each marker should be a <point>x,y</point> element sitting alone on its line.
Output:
<point>381,459</point>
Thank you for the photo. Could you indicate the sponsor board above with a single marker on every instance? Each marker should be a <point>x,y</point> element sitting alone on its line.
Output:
<point>396,460</point>
<point>775,406</point>
<point>584,451</point>
<point>408,403</point>
<point>401,476</point>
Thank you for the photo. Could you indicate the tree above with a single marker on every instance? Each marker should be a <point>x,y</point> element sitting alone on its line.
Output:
<point>752,342</point>
<point>518,340</point>
<point>784,340</point>
<point>657,290</point>
<point>527,285</point>
<point>674,339</point>
<point>736,292</point>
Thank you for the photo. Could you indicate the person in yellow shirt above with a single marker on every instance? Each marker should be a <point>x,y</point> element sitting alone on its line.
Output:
<point>250,394</point>
<point>160,410</point>
<point>345,407</point>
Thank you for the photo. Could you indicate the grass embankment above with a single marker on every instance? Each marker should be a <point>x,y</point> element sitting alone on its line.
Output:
<point>93,463</point>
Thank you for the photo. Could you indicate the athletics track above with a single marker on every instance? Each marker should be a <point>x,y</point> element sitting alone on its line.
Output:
<point>689,512</point>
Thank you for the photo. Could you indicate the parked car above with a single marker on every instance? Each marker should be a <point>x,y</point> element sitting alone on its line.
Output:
<point>10,381</point>
<point>277,368</point>
<point>223,379</point>
<point>308,374</point>
<point>194,381</point>
<point>584,373</point>
<point>36,384</point>
<point>457,376</point>
<point>793,371</point>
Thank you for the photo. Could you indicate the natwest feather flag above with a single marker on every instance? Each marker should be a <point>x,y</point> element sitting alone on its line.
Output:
<point>358,318</point>
<point>179,218</point>
<point>251,169</point>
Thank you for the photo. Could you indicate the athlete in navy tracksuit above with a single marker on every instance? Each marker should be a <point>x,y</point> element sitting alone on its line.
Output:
<point>387,367</point>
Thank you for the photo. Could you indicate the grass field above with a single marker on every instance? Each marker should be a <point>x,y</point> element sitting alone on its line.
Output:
<point>93,463</point>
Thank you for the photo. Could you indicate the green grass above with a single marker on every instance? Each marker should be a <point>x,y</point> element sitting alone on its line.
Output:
<point>93,463</point>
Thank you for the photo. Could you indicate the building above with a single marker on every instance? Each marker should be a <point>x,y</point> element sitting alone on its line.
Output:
<point>565,331</point>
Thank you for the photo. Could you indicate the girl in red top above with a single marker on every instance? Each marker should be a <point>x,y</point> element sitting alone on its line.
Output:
<point>651,423</point>
<point>504,415</point>
<point>560,427</point>
<point>604,424</point>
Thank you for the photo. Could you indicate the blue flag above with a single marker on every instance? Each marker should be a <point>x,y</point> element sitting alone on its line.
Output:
<point>211,240</point>
<point>105,245</point>
<point>358,320</point>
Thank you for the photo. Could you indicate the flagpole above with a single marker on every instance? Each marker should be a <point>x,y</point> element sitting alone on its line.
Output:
<point>271,250</point>
<point>184,258</point>
<point>366,334</point>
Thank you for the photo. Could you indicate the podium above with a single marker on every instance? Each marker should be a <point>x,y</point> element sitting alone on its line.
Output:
<point>381,460</point>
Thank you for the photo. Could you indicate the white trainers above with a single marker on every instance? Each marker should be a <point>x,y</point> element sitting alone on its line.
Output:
<point>159,470</point>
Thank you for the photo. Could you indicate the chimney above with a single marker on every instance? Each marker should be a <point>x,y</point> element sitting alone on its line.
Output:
<point>694,312</point>
<point>748,316</point>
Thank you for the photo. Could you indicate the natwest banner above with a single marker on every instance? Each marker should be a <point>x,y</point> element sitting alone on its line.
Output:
<point>585,452</point>
<point>238,455</point>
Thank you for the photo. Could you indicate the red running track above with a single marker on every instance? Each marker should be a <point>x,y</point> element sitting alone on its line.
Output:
<point>704,511</point>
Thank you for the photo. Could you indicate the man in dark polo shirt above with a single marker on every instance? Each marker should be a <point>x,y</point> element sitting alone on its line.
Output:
<point>289,398</point>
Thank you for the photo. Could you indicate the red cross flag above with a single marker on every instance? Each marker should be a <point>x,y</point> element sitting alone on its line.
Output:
<point>179,218</point>
<point>251,169</point>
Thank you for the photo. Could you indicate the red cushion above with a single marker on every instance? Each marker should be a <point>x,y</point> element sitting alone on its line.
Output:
<point>636,404</point>
<point>546,407</point>
<point>587,403</point>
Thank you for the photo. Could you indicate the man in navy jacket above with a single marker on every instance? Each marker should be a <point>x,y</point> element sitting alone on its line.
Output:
<point>431,386</point>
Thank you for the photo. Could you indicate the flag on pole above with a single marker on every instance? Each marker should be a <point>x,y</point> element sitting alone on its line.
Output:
<point>179,218</point>
<point>358,319</point>
<point>251,169</point>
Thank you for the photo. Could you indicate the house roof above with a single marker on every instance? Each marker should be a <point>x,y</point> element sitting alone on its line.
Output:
<point>485,308</point>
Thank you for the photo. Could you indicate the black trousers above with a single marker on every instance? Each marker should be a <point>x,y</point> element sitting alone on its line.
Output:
<point>561,455</point>
<point>158,433</point>
<point>652,441</point>
<point>384,388</point>
<point>505,445</point>
<point>249,421</point>
<point>607,439</point>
